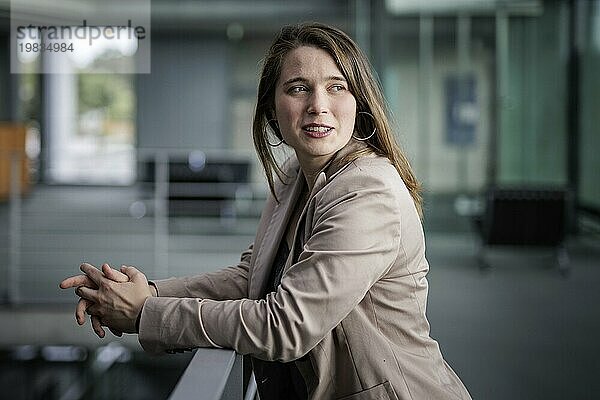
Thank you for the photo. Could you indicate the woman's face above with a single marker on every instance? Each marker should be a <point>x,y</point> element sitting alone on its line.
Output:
<point>313,106</point>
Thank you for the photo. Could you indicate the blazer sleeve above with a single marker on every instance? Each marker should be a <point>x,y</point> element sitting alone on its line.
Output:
<point>225,284</point>
<point>354,241</point>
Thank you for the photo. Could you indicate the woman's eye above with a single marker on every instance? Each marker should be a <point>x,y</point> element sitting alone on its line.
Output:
<point>338,88</point>
<point>297,89</point>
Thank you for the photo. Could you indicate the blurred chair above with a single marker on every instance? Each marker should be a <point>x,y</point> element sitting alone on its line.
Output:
<point>525,217</point>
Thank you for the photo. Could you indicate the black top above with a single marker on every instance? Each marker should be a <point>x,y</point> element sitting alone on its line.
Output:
<point>277,380</point>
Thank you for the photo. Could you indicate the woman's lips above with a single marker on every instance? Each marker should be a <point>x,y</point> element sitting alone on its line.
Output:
<point>316,130</point>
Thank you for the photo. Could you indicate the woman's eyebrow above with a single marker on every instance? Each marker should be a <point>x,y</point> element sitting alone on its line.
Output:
<point>295,80</point>
<point>304,80</point>
<point>336,78</point>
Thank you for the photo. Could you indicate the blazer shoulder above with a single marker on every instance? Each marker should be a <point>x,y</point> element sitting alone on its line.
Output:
<point>374,165</point>
<point>370,178</point>
<point>369,172</point>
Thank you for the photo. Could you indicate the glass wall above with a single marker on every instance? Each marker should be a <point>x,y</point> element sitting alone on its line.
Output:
<point>532,136</point>
<point>439,82</point>
<point>589,143</point>
<point>483,98</point>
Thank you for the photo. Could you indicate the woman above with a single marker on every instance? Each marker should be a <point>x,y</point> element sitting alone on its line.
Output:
<point>330,299</point>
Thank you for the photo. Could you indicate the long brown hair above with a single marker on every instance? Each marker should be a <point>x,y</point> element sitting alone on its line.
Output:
<point>362,84</point>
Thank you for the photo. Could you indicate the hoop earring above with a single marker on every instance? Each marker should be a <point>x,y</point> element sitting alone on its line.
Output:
<point>275,145</point>
<point>374,130</point>
<point>269,143</point>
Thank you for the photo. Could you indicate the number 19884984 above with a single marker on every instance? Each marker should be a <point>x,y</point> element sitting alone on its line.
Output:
<point>42,47</point>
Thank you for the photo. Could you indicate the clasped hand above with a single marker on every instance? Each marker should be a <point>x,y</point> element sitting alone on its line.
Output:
<point>112,298</point>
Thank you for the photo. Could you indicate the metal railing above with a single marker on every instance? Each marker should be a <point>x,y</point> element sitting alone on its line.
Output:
<point>214,374</point>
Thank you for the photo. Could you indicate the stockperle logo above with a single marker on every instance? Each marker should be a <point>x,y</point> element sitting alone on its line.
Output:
<point>87,36</point>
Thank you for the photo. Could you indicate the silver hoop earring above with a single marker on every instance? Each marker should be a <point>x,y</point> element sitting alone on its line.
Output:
<point>281,141</point>
<point>374,130</point>
<point>275,145</point>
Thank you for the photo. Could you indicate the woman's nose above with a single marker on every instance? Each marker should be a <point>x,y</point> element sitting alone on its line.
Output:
<point>318,103</point>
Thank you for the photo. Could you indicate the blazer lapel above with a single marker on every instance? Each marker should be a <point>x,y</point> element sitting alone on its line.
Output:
<point>333,168</point>
<point>274,232</point>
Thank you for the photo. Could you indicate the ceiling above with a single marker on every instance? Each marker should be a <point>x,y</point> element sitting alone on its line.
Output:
<point>192,15</point>
<point>256,15</point>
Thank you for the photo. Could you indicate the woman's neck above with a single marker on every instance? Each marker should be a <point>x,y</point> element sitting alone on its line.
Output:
<point>312,167</point>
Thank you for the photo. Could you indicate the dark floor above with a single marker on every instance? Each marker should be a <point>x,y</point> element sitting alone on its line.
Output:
<point>516,331</point>
<point>519,330</point>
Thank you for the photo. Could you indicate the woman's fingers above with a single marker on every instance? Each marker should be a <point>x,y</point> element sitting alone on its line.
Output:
<point>87,281</point>
<point>97,326</point>
<point>80,310</point>
<point>92,272</point>
<point>96,322</point>
<point>134,274</point>
<point>87,293</point>
<point>76,281</point>
<point>113,274</point>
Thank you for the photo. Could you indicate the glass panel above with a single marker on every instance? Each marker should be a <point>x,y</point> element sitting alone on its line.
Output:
<point>440,88</point>
<point>589,190</point>
<point>532,136</point>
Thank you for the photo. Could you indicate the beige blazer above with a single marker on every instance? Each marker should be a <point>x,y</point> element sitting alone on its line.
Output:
<point>350,311</point>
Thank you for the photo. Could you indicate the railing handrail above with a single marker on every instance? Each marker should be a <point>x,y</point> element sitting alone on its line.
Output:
<point>213,374</point>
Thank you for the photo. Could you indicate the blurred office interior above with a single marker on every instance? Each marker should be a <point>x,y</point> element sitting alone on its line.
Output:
<point>158,171</point>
